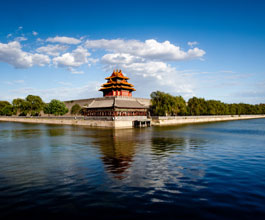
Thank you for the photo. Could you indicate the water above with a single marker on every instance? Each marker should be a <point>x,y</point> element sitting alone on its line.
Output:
<point>203,171</point>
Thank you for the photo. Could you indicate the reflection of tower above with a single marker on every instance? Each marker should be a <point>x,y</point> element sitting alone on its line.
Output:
<point>118,148</point>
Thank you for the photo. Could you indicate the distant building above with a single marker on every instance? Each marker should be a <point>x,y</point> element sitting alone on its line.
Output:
<point>117,100</point>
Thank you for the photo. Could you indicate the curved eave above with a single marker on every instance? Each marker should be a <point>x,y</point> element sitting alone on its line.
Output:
<point>117,87</point>
<point>117,83</point>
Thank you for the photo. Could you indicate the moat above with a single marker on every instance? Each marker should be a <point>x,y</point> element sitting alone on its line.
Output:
<point>200,171</point>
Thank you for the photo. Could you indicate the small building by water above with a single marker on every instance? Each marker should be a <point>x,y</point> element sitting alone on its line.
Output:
<point>117,103</point>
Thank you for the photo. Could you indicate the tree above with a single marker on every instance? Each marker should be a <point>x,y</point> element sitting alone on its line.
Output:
<point>3,104</point>
<point>55,107</point>
<point>6,108</point>
<point>197,106</point>
<point>46,109</point>
<point>36,104</point>
<point>180,105</point>
<point>21,106</point>
<point>166,104</point>
<point>75,110</point>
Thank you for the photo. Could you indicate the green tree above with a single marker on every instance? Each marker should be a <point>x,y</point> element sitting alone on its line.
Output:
<point>46,109</point>
<point>36,104</point>
<point>6,108</point>
<point>166,104</point>
<point>21,106</point>
<point>75,110</point>
<point>3,104</point>
<point>197,106</point>
<point>55,107</point>
<point>180,104</point>
<point>163,104</point>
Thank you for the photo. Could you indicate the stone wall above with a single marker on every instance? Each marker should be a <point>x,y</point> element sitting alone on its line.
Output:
<point>61,121</point>
<point>173,120</point>
<point>120,122</point>
<point>126,122</point>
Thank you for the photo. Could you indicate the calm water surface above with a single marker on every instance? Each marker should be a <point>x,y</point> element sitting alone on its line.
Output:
<point>203,171</point>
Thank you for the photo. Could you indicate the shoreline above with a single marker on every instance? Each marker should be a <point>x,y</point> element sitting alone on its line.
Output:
<point>178,120</point>
<point>155,121</point>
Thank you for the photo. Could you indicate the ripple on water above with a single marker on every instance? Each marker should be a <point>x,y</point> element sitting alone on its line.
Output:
<point>202,171</point>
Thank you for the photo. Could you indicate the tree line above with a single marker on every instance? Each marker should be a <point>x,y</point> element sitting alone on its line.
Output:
<point>32,106</point>
<point>164,104</point>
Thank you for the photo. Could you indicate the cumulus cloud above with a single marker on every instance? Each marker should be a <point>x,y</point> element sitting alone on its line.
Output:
<point>121,58</point>
<point>34,33</point>
<point>76,58</point>
<point>152,74</point>
<point>52,50</point>
<point>63,40</point>
<point>149,49</point>
<point>13,54</point>
<point>147,62</point>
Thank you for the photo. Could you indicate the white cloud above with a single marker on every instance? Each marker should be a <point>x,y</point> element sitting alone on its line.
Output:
<point>149,49</point>
<point>151,74</point>
<point>121,58</point>
<point>34,33</point>
<point>9,35</point>
<point>52,50</point>
<point>195,53</point>
<point>146,61</point>
<point>20,28</point>
<point>64,40</point>
<point>12,54</point>
<point>21,39</point>
<point>192,43</point>
<point>76,58</point>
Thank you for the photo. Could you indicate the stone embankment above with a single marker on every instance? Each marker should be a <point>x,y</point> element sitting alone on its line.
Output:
<point>126,122</point>
<point>107,122</point>
<point>174,120</point>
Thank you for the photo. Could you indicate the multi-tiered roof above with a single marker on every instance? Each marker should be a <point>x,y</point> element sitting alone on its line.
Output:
<point>117,85</point>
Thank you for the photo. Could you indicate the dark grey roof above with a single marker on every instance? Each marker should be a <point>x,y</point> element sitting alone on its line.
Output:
<point>101,103</point>
<point>128,104</point>
<point>110,102</point>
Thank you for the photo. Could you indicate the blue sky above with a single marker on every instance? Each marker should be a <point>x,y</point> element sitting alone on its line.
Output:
<point>65,49</point>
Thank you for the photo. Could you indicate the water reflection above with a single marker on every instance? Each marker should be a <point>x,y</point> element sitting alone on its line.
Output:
<point>177,139</point>
<point>165,170</point>
<point>56,131</point>
<point>118,149</point>
<point>162,146</point>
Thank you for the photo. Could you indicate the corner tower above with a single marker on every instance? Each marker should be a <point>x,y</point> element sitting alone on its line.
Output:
<point>117,85</point>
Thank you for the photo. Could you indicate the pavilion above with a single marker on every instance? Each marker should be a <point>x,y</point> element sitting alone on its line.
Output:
<point>117,101</point>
